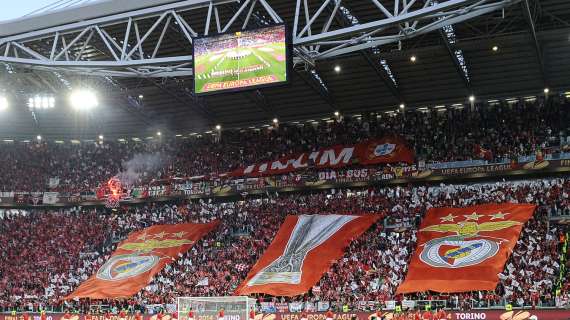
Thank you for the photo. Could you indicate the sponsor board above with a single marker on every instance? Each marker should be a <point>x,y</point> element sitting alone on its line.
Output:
<point>454,315</point>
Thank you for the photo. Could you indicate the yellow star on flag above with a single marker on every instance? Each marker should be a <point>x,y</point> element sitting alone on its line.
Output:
<point>498,215</point>
<point>160,235</point>
<point>474,216</point>
<point>448,218</point>
<point>142,237</point>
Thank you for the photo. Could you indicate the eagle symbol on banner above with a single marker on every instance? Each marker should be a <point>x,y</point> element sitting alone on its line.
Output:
<point>142,259</point>
<point>466,248</point>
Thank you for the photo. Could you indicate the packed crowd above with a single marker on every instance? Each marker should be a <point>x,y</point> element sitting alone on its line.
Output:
<point>503,132</point>
<point>46,254</point>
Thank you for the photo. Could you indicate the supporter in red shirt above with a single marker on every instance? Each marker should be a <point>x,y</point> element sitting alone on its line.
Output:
<point>191,314</point>
<point>417,315</point>
<point>221,314</point>
<point>427,315</point>
<point>329,315</point>
<point>441,314</point>
<point>251,314</point>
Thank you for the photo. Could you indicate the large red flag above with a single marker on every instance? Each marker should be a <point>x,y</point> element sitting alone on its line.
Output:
<point>303,250</point>
<point>465,249</point>
<point>138,258</point>
<point>384,150</point>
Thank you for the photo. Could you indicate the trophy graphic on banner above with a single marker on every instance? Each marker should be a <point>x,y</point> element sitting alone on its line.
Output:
<point>308,233</point>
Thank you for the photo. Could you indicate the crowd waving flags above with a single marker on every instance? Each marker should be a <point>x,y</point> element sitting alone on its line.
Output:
<point>464,249</point>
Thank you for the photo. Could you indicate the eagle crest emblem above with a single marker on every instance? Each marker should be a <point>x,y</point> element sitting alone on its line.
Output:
<point>465,248</point>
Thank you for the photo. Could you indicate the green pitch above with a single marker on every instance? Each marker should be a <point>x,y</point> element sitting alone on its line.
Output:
<point>269,60</point>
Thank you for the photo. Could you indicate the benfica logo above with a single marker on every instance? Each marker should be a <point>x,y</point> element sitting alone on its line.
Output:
<point>385,149</point>
<point>143,258</point>
<point>125,266</point>
<point>466,248</point>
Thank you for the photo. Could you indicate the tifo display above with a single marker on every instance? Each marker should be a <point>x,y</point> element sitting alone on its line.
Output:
<point>240,60</point>
<point>285,160</point>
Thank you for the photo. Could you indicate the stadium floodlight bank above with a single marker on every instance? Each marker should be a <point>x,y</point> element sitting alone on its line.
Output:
<point>208,308</point>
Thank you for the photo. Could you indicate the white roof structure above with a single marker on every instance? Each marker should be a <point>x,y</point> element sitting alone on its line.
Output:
<point>84,11</point>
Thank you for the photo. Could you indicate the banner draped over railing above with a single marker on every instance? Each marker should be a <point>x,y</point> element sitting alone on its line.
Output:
<point>303,250</point>
<point>138,258</point>
<point>385,150</point>
<point>465,249</point>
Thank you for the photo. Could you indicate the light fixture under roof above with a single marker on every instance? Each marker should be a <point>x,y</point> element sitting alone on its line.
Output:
<point>41,102</point>
<point>3,103</point>
<point>83,100</point>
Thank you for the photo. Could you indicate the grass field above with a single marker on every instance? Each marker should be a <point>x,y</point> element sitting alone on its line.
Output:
<point>224,70</point>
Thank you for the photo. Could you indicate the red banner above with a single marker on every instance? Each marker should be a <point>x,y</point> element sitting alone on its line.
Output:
<point>333,157</point>
<point>385,150</point>
<point>303,250</point>
<point>464,249</point>
<point>138,258</point>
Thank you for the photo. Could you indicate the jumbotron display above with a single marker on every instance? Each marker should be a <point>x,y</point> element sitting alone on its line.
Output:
<point>241,60</point>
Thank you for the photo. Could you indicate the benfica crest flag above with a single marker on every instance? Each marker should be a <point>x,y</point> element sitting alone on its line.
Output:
<point>138,258</point>
<point>464,249</point>
<point>385,150</point>
<point>303,250</point>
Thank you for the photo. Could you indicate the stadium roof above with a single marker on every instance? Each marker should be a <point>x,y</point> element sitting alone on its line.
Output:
<point>533,50</point>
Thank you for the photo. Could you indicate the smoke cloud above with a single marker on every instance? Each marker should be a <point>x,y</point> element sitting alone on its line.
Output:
<point>141,166</point>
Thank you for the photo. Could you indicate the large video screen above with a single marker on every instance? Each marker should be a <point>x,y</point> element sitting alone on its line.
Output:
<point>241,60</point>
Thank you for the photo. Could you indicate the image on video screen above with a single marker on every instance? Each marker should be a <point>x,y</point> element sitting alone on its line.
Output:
<point>240,60</point>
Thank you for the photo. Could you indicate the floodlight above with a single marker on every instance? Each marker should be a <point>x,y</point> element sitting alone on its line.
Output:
<point>3,103</point>
<point>83,99</point>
